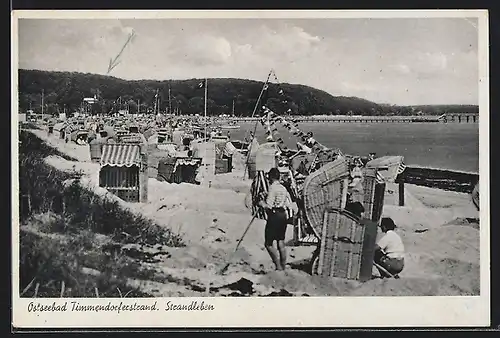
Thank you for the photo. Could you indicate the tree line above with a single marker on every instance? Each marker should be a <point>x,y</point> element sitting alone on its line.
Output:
<point>65,91</point>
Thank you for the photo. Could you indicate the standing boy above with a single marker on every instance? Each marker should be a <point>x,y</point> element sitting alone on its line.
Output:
<point>276,219</point>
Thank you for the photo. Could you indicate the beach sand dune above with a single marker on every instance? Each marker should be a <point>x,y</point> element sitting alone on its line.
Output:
<point>437,228</point>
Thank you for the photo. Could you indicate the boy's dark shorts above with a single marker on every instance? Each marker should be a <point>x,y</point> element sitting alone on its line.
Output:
<point>275,226</point>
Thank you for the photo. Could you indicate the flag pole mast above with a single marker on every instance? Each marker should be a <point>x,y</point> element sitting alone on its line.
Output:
<point>156,101</point>
<point>206,85</point>
<point>169,101</point>
<point>206,139</point>
<point>256,122</point>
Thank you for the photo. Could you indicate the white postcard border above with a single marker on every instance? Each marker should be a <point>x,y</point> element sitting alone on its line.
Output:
<point>274,311</point>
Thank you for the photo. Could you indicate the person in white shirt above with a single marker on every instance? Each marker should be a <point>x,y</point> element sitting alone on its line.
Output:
<point>389,251</point>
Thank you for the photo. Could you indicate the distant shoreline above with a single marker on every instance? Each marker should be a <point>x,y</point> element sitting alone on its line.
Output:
<point>464,172</point>
<point>445,179</point>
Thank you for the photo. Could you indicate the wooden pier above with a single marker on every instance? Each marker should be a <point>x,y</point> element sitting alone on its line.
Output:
<point>445,118</point>
<point>461,118</point>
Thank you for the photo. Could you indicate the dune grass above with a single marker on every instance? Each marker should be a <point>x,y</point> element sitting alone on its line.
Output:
<point>65,229</point>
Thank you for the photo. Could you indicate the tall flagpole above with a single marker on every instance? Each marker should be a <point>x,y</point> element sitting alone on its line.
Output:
<point>256,122</point>
<point>159,102</point>
<point>169,102</point>
<point>206,140</point>
<point>156,101</point>
<point>206,85</point>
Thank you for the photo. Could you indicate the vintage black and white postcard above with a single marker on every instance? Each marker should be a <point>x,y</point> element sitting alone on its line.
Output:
<point>178,169</point>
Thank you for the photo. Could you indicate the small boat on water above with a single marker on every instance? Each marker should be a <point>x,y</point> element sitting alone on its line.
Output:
<point>427,119</point>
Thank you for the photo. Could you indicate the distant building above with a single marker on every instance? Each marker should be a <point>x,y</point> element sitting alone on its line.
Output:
<point>90,100</point>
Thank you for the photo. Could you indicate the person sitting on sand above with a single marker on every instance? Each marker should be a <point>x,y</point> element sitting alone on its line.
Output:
<point>276,219</point>
<point>310,141</point>
<point>304,148</point>
<point>389,251</point>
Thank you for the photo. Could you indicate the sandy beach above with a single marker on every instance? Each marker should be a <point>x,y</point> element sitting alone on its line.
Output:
<point>440,231</point>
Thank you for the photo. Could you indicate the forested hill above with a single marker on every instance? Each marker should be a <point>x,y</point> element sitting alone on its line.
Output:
<point>67,90</point>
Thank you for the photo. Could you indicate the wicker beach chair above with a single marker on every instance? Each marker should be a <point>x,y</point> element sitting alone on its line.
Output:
<point>347,246</point>
<point>324,189</point>
<point>373,195</point>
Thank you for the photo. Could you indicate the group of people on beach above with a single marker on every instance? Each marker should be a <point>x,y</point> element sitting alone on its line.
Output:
<point>389,249</point>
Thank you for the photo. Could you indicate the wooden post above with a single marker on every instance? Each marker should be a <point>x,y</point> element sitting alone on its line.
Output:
<point>401,193</point>
<point>368,249</point>
<point>143,175</point>
<point>62,289</point>
<point>344,192</point>
<point>36,290</point>
<point>25,205</point>
<point>378,203</point>
<point>29,203</point>
<point>296,229</point>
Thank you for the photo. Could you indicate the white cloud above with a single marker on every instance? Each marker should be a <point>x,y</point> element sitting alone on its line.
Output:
<point>285,44</point>
<point>201,50</point>
<point>386,61</point>
<point>246,48</point>
<point>437,60</point>
<point>461,64</point>
<point>350,87</point>
<point>401,68</point>
<point>427,62</point>
<point>116,27</point>
<point>301,34</point>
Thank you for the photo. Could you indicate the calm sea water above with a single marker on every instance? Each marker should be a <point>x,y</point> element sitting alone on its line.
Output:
<point>436,145</point>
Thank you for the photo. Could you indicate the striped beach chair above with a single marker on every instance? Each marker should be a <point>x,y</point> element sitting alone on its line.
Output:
<point>259,191</point>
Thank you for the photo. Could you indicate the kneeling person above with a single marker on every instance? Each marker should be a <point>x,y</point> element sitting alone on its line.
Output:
<point>389,251</point>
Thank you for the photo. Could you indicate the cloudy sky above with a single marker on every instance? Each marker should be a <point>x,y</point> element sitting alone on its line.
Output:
<point>397,61</point>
